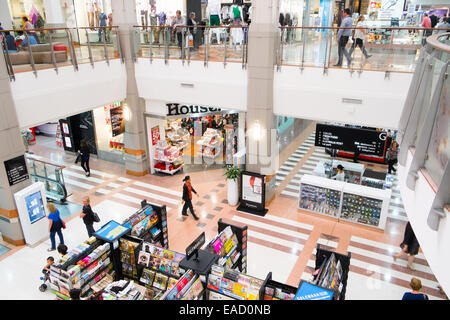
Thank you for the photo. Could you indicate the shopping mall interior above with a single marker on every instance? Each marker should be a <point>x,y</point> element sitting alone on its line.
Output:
<point>224,149</point>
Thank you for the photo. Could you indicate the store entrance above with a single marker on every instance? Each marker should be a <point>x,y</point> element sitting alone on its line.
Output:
<point>195,141</point>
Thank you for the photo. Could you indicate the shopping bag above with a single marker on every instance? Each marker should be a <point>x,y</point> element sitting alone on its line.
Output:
<point>63,224</point>
<point>189,41</point>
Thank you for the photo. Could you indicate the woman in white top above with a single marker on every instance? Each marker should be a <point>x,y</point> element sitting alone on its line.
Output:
<point>360,35</point>
<point>340,175</point>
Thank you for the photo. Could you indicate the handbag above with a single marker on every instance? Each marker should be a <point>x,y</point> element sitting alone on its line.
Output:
<point>78,159</point>
<point>95,217</point>
<point>63,224</point>
<point>190,41</point>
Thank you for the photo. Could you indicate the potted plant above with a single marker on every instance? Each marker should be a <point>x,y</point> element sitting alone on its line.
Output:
<point>233,174</point>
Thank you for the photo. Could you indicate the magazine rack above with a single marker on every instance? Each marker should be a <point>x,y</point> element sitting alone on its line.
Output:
<point>323,254</point>
<point>272,284</point>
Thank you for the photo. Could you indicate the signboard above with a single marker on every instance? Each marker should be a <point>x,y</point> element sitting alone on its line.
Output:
<point>117,120</point>
<point>391,9</point>
<point>308,291</point>
<point>35,207</point>
<point>16,170</point>
<point>111,231</point>
<point>155,135</point>
<point>195,246</point>
<point>348,139</point>
<point>253,193</point>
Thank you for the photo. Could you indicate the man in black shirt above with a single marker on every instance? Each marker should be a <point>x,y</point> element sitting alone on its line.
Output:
<point>88,216</point>
<point>187,197</point>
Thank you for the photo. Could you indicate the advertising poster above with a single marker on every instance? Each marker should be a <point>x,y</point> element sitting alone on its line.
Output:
<point>117,120</point>
<point>252,188</point>
<point>35,207</point>
<point>16,170</point>
<point>391,9</point>
<point>155,135</point>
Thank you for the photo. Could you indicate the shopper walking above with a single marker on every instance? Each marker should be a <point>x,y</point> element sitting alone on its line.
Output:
<point>360,36</point>
<point>391,156</point>
<point>85,155</point>
<point>55,225</point>
<point>426,23</point>
<point>102,29</point>
<point>415,285</point>
<point>342,38</point>
<point>176,24</point>
<point>410,246</point>
<point>187,197</point>
<point>88,216</point>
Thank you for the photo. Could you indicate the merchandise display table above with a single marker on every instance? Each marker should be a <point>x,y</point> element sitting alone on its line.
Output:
<point>327,168</point>
<point>346,201</point>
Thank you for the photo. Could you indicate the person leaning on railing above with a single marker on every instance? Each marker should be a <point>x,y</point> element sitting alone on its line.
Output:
<point>443,24</point>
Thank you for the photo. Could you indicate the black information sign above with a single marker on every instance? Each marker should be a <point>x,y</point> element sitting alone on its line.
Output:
<point>16,170</point>
<point>195,246</point>
<point>253,193</point>
<point>348,139</point>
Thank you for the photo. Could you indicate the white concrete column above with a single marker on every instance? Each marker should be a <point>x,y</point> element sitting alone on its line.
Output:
<point>136,149</point>
<point>53,13</point>
<point>5,15</point>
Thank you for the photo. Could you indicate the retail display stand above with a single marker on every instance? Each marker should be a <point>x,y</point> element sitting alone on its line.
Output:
<point>331,273</point>
<point>150,224</point>
<point>274,290</point>
<point>346,201</point>
<point>253,194</point>
<point>169,159</point>
<point>328,168</point>
<point>231,245</point>
<point>230,136</point>
<point>197,260</point>
<point>82,267</point>
<point>211,144</point>
<point>234,285</point>
<point>376,179</point>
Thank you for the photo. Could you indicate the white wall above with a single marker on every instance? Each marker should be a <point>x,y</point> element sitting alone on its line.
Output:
<point>53,96</point>
<point>315,96</point>
<point>434,244</point>
<point>214,86</point>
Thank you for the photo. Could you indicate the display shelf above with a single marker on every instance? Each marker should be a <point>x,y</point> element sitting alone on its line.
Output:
<point>365,205</point>
<point>169,161</point>
<point>209,156</point>
<point>320,195</point>
<point>274,290</point>
<point>172,172</point>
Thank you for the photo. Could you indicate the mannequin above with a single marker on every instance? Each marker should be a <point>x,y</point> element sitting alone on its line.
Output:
<point>90,12</point>
<point>154,23</point>
<point>213,11</point>
<point>236,16</point>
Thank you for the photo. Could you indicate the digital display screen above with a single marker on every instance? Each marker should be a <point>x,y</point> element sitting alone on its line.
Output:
<point>35,207</point>
<point>348,139</point>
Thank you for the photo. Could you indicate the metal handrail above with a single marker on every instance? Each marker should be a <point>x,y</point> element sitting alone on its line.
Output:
<point>71,46</point>
<point>434,42</point>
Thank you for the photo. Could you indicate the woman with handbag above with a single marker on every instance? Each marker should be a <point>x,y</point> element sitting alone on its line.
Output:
<point>89,216</point>
<point>55,224</point>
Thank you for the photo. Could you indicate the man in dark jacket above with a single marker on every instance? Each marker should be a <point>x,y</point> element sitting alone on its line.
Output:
<point>187,197</point>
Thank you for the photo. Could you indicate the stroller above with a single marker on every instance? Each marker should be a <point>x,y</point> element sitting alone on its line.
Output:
<point>44,279</point>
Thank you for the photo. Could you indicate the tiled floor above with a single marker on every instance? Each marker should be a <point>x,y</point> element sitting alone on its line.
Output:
<point>283,242</point>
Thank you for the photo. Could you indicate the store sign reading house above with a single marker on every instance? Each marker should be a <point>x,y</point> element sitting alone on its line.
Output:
<point>175,109</point>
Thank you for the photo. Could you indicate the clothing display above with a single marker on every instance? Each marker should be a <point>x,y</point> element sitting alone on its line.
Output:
<point>237,34</point>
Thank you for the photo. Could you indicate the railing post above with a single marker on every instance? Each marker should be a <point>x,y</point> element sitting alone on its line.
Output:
<point>73,56</point>
<point>205,36</point>
<point>303,50</point>
<point>104,44</point>
<point>183,45</point>
<point>9,66</point>
<point>151,43</point>
<point>30,52</point>
<point>50,32</point>
<point>119,46</point>
<point>225,49</point>
<point>166,45</point>
<point>328,46</point>
<point>91,59</point>
<point>280,51</point>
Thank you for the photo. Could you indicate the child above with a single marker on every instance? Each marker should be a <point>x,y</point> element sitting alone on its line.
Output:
<point>50,261</point>
<point>62,249</point>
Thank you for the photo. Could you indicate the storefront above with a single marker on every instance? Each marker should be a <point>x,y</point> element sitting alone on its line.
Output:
<point>190,138</point>
<point>109,130</point>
